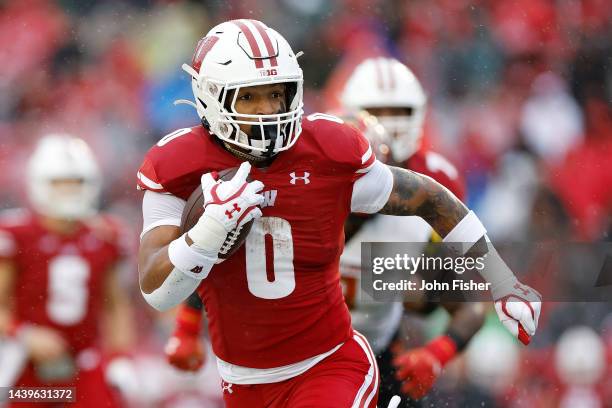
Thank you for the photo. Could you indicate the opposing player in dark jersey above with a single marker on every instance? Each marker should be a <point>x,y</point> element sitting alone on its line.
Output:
<point>64,310</point>
<point>398,101</point>
<point>278,323</point>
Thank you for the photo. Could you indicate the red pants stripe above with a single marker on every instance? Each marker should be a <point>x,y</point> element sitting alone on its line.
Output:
<point>370,384</point>
<point>347,378</point>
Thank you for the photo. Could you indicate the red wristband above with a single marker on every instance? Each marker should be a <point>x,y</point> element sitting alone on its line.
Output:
<point>443,348</point>
<point>189,320</point>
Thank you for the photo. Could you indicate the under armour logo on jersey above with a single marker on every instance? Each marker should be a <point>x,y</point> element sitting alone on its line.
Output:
<point>196,269</point>
<point>304,178</point>
<point>233,210</point>
<point>227,387</point>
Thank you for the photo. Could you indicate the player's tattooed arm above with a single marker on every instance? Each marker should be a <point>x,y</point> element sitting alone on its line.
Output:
<point>416,194</point>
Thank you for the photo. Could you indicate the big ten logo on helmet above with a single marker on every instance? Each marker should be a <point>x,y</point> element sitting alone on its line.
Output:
<point>269,198</point>
<point>268,72</point>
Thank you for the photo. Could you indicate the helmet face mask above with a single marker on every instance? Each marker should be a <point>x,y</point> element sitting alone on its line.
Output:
<point>387,89</point>
<point>263,134</point>
<point>226,66</point>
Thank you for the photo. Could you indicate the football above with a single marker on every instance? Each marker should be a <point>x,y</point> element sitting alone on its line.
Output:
<point>195,208</point>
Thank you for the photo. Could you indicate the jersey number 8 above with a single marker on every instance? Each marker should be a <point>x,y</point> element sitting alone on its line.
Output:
<point>68,292</point>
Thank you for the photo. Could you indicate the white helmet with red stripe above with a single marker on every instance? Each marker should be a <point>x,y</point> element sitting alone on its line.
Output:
<point>387,83</point>
<point>244,53</point>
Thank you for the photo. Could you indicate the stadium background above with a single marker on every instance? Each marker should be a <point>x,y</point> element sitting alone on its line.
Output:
<point>520,98</point>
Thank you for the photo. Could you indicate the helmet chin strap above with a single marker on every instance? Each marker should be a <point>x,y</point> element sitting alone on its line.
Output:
<point>243,155</point>
<point>237,152</point>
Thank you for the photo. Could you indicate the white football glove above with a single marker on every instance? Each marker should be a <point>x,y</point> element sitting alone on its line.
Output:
<point>518,308</point>
<point>227,205</point>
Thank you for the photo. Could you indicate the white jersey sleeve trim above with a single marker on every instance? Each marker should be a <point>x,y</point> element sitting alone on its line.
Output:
<point>366,169</point>
<point>148,182</point>
<point>371,191</point>
<point>160,209</point>
<point>366,156</point>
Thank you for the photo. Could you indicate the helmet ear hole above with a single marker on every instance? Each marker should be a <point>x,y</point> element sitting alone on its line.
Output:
<point>212,89</point>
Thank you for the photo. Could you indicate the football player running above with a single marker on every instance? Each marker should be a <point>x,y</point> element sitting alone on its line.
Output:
<point>59,287</point>
<point>386,88</point>
<point>278,323</point>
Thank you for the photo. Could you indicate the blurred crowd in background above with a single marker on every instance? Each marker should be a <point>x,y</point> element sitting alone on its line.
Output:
<point>519,98</point>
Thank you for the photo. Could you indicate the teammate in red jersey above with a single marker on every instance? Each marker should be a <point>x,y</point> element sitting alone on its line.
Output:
<point>398,101</point>
<point>277,320</point>
<point>59,290</point>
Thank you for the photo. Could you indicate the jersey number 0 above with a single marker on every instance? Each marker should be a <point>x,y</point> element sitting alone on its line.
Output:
<point>269,258</point>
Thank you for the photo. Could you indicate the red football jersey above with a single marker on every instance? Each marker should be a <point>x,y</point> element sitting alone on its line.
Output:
<point>438,168</point>
<point>277,300</point>
<point>59,279</point>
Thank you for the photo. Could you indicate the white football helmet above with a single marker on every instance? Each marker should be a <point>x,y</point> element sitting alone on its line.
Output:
<point>244,53</point>
<point>580,356</point>
<point>60,157</point>
<point>387,83</point>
